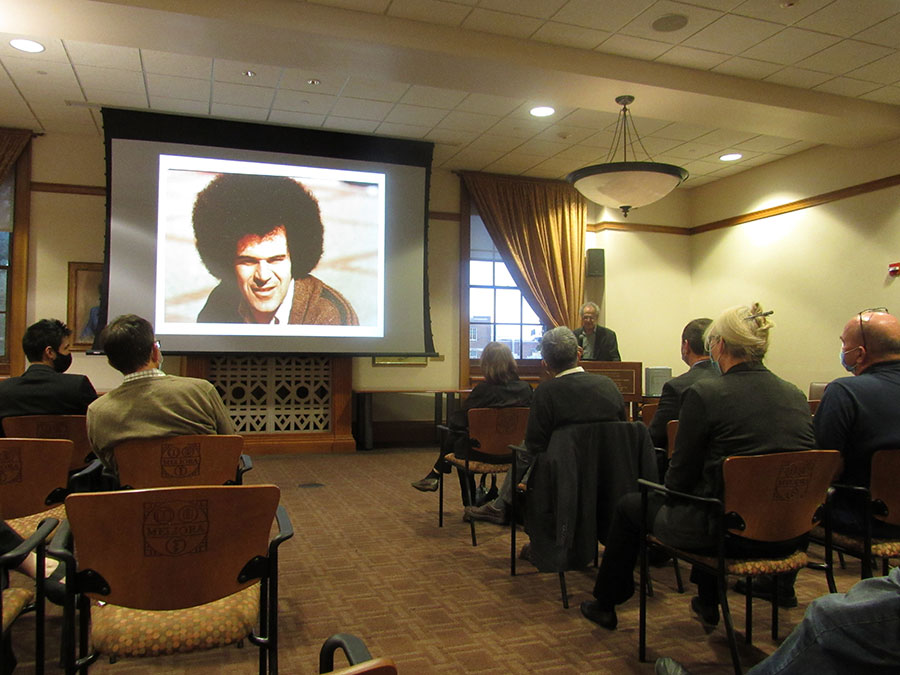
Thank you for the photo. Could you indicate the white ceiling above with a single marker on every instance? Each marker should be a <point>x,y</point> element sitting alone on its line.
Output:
<point>766,78</point>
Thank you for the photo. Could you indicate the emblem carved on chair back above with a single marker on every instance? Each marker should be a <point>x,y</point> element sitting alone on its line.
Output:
<point>10,466</point>
<point>793,479</point>
<point>179,460</point>
<point>175,528</point>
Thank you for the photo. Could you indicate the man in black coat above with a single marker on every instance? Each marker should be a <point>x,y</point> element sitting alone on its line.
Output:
<point>44,389</point>
<point>571,396</point>
<point>597,343</point>
<point>694,354</point>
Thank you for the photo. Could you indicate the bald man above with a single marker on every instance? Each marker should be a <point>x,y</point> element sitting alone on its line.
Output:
<point>861,414</point>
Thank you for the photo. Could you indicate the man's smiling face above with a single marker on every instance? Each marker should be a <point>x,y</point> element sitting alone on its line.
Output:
<point>262,266</point>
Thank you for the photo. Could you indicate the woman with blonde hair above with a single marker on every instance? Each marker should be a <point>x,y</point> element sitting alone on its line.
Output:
<point>747,411</point>
<point>501,388</point>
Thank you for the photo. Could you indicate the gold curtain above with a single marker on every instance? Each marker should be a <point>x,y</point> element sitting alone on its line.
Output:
<point>538,226</point>
<point>12,143</point>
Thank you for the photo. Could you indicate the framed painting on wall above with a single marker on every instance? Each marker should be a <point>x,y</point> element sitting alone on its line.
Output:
<point>83,316</point>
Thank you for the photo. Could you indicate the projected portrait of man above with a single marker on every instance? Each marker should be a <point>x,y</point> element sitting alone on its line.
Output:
<point>261,236</point>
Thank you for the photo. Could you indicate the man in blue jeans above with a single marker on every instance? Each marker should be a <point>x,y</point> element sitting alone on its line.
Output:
<point>854,632</point>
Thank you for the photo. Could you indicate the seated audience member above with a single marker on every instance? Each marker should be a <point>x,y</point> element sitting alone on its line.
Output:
<point>746,411</point>
<point>861,414</point>
<point>571,396</point>
<point>597,343</point>
<point>501,388</point>
<point>148,403</point>
<point>856,632</point>
<point>694,354</point>
<point>44,388</point>
<point>54,571</point>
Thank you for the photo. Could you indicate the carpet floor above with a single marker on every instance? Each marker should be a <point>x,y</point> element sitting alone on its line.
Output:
<point>368,558</point>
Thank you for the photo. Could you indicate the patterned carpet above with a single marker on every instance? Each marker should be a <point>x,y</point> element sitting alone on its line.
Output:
<point>368,558</point>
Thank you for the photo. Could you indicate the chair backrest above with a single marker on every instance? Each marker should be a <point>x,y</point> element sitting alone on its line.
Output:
<point>71,427</point>
<point>883,484</point>
<point>379,666</point>
<point>777,495</point>
<point>497,428</point>
<point>171,548</point>
<point>648,410</point>
<point>671,434</point>
<point>816,389</point>
<point>178,460</point>
<point>814,405</point>
<point>30,470</point>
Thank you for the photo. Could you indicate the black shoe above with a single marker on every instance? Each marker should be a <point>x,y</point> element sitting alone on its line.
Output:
<point>762,588</point>
<point>488,513</point>
<point>602,617</point>
<point>427,484</point>
<point>708,615</point>
<point>669,666</point>
<point>54,585</point>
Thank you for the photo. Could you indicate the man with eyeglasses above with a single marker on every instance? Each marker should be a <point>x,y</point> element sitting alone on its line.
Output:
<point>861,414</point>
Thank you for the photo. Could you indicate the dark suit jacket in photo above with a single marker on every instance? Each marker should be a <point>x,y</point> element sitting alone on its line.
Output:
<point>670,400</point>
<point>40,390</point>
<point>606,347</point>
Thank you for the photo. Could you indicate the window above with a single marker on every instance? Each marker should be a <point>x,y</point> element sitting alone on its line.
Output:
<point>7,208</point>
<point>497,310</point>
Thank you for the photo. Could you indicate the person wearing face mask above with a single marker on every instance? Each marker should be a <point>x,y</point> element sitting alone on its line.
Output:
<point>45,388</point>
<point>861,413</point>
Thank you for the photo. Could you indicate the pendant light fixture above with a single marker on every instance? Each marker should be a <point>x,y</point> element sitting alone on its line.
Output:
<point>627,184</point>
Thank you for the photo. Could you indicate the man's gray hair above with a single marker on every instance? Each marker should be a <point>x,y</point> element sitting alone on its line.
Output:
<point>592,305</point>
<point>559,349</point>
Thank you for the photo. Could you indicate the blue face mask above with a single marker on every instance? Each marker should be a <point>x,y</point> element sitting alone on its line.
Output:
<point>715,366</point>
<point>849,369</point>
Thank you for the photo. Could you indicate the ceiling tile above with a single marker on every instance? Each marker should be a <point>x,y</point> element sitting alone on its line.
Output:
<point>701,168</point>
<point>564,133</point>
<point>433,97</point>
<point>795,147</point>
<point>634,47</point>
<point>239,112</point>
<point>225,70</point>
<point>749,68</point>
<point>886,33</point>
<point>179,105</point>
<point>488,104</point>
<point>724,137</point>
<point>178,87</point>
<point>117,98</point>
<point>350,124</point>
<point>415,115</point>
<point>94,77</point>
<point>71,121</point>
<point>843,57</point>
<point>681,131</point>
<point>375,90</point>
<point>53,48</point>
<point>454,137</point>
<point>569,36</point>
<point>789,46</point>
<point>472,159</point>
<point>846,86</point>
<point>615,14</point>
<point>769,10</point>
<point>693,150</point>
<point>297,79</point>
<point>602,140</point>
<point>513,164</point>
<point>25,68</point>
<point>582,154</point>
<point>402,130</point>
<point>180,65</point>
<point>496,143</point>
<point>520,128</point>
<point>466,121</point>
<point>884,95</point>
<point>764,143</point>
<point>359,109</point>
<point>698,18</point>
<point>104,56</point>
<point>656,146</point>
<point>732,34</point>
<point>371,6</point>
<point>543,148</point>
<point>843,17</point>
<point>689,57</point>
<point>296,119</point>
<point>430,11</point>
<point>798,77</point>
<point>885,71</point>
<point>242,95</point>
<point>550,168</point>
<point>540,9</point>
<point>303,102</point>
<point>501,23</point>
<point>590,119</point>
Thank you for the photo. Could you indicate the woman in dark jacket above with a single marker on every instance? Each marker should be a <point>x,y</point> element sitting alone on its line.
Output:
<point>747,411</point>
<point>501,388</point>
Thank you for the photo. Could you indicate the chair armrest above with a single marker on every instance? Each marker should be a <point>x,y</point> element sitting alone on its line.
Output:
<point>60,547</point>
<point>354,648</point>
<point>15,557</point>
<point>245,464</point>
<point>285,527</point>
<point>90,479</point>
<point>647,485</point>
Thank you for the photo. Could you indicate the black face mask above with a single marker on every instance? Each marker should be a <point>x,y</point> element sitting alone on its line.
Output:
<point>62,362</point>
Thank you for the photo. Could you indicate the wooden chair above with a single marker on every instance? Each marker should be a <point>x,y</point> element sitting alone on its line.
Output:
<point>767,498</point>
<point>15,601</point>
<point>181,460</point>
<point>33,475</point>
<point>816,389</point>
<point>881,500</point>
<point>361,661</point>
<point>491,433</point>
<point>648,410</point>
<point>671,434</point>
<point>71,427</point>
<point>203,554</point>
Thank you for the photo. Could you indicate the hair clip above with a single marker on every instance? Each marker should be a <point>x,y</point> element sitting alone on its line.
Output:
<point>759,316</point>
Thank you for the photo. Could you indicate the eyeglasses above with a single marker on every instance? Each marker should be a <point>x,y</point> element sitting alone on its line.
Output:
<point>862,333</point>
<point>709,341</point>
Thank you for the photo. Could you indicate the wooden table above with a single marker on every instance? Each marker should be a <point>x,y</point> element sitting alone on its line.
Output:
<point>363,416</point>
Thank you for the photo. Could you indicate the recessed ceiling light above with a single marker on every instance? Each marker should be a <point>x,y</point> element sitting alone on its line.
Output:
<point>731,157</point>
<point>314,81</point>
<point>24,45</point>
<point>669,23</point>
<point>542,111</point>
<point>248,73</point>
